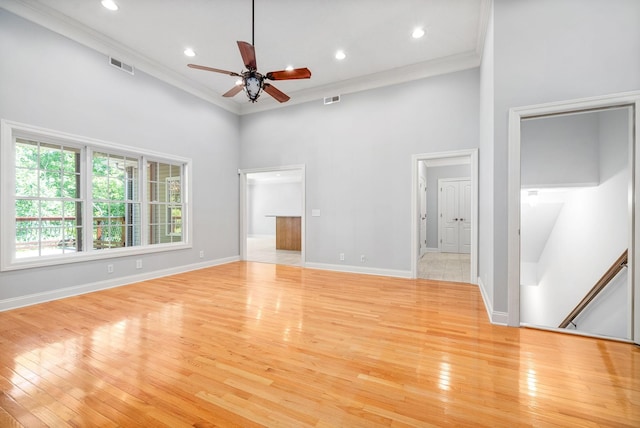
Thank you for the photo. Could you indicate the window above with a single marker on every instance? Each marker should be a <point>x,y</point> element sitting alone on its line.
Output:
<point>174,206</point>
<point>47,199</point>
<point>165,206</point>
<point>116,204</point>
<point>69,198</point>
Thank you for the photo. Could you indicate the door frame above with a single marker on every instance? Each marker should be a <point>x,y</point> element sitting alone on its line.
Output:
<point>516,115</point>
<point>422,202</point>
<point>244,212</point>
<point>447,158</point>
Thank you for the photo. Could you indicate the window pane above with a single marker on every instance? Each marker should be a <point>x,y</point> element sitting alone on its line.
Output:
<point>165,202</point>
<point>174,193</point>
<point>50,157</point>
<point>50,210</point>
<point>71,160</point>
<point>26,154</point>
<point>50,184</point>
<point>70,186</point>
<point>100,188</point>
<point>26,208</point>
<point>116,166</point>
<point>100,165</point>
<point>26,182</point>
<point>133,225</point>
<point>71,210</point>
<point>117,189</point>
<point>174,221</point>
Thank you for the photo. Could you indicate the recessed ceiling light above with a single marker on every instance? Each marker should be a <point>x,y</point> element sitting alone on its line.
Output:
<point>340,55</point>
<point>110,4</point>
<point>189,52</point>
<point>417,33</point>
<point>289,68</point>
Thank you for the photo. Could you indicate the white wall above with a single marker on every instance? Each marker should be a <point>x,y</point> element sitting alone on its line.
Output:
<point>607,314</point>
<point>485,173</point>
<point>559,151</point>
<point>549,50</point>
<point>590,233</point>
<point>433,175</point>
<point>46,80</point>
<point>269,199</point>
<point>358,161</point>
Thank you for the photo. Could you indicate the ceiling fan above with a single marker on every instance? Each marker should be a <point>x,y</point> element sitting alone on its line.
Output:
<point>250,80</point>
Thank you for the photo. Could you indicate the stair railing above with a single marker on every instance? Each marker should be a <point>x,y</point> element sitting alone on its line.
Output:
<point>615,268</point>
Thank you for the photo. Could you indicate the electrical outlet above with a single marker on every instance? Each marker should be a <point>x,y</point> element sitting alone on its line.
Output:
<point>109,268</point>
<point>201,254</point>
<point>139,264</point>
<point>363,258</point>
<point>341,257</point>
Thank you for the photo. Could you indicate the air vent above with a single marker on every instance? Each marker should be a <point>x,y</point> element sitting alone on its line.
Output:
<point>331,100</point>
<point>121,65</point>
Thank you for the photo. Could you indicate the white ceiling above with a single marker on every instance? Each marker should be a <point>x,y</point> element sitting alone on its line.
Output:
<point>375,35</point>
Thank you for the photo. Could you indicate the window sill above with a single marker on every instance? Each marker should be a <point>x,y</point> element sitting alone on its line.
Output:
<point>93,255</point>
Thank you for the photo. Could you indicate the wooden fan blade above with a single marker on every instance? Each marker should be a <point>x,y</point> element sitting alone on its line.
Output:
<point>216,70</point>
<point>276,93</point>
<point>233,91</point>
<point>248,55</point>
<point>298,73</point>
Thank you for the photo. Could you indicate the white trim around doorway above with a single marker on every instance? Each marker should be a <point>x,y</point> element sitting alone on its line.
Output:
<point>445,158</point>
<point>244,211</point>
<point>516,115</point>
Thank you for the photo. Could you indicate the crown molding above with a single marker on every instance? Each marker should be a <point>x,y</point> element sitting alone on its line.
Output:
<point>372,81</point>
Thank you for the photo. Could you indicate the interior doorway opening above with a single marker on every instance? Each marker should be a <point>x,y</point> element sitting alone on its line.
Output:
<point>444,210</point>
<point>574,164</point>
<point>272,215</point>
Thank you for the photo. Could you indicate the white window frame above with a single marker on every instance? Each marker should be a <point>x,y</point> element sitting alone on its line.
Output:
<point>10,130</point>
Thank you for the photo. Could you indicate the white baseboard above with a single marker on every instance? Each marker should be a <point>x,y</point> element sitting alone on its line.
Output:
<point>433,250</point>
<point>358,269</point>
<point>499,318</point>
<point>61,293</point>
<point>495,317</point>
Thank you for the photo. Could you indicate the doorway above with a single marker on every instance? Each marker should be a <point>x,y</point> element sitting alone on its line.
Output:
<point>571,212</point>
<point>456,172</point>
<point>272,215</point>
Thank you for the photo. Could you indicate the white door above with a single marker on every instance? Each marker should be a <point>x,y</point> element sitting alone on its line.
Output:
<point>465,217</point>
<point>454,206</point>
<point>423,215</point>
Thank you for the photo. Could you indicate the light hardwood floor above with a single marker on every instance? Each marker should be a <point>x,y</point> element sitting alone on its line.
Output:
<point>253,344</point>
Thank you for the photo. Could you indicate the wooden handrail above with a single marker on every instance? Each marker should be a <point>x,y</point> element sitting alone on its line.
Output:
<point>615,268</point>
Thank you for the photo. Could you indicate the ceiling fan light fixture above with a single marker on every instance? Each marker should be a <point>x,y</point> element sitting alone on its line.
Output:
<point>109,4</point>
<point>253,85</point>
